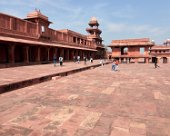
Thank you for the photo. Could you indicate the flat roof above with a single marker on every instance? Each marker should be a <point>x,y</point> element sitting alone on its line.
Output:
<point>131,42</point>
<point>160,47</point>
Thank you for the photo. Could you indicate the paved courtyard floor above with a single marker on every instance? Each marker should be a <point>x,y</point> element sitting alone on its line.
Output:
<point>16,74</point>
<point>134,101</point>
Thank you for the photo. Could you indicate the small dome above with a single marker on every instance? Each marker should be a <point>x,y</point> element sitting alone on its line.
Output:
<point>93,22</point>
<point>93,19</point>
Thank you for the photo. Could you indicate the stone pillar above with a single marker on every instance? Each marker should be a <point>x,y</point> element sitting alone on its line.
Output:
<point>76,40</point>
<point>56,52</point>
<point>11,23</point>
<point>67,38</point>
<point>127,60</point>
<point>38,29</point>
<point>62,36</point>
<point>38,54</point>
<point>136,60</point>
<point>76,53</point>
<point>62,52</point>
<point>48,54</point>
<point>11,53</point>
<point>68,53</point>
<point>81,56</point>
<point>26,27</point>
<point>146,60</point>
<point>72,54</point>
<point>94,54</point>
<point>26,54</point>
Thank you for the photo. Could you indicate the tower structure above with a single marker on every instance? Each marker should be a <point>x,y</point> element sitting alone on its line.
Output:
<point>94,36</point>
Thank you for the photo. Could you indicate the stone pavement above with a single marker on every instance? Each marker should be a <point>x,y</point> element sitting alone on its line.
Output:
<point>134,101</point>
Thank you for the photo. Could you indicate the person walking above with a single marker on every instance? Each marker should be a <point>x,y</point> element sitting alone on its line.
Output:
<point>91,60</point>
<point>74,59</point>
<point>101,62</point>
<point>116,65</point>
<point>84,60</point>
<point>61,61</point>
<point>78,59</point>
<point>156,63</point>
<point>113,65</point>
<point>54,60</point>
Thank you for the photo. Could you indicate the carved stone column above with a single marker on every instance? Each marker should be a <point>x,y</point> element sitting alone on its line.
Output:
<point>11,52</point>
<point>26,54</point>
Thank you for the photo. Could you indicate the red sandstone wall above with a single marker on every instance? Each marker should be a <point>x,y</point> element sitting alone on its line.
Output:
<point>116,52</point>
<point>18,28</point>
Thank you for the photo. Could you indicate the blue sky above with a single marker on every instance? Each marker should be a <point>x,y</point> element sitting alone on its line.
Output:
<point>119,19</point>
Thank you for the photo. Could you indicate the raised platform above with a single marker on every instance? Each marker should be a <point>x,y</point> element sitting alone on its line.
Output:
<point>19,77</point>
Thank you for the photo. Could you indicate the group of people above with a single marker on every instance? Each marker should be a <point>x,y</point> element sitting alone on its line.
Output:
<point>76,59</point>
<point>84,59</point>
<point>55,60</point>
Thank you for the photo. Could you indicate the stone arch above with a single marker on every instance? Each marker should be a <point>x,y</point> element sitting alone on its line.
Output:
<point>164,59</point>
<point>124,51</point>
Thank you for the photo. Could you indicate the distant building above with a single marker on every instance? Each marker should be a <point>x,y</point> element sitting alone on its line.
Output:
<point>131,50</point>
<point>31,41</point>
<point>161,52</point>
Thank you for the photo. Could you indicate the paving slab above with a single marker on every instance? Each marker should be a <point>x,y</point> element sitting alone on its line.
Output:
<point>133,101</point>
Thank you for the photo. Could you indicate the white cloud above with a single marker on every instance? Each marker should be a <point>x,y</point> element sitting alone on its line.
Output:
<point>136,29</point>
<point>126,12</point>
<point>113,27</point>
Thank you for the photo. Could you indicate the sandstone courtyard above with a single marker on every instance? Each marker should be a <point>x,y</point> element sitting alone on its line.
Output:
<point>133,101</point>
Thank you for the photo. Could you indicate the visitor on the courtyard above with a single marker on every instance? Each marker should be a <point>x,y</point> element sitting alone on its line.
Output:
<point>78,59</point>
<point>101,62</point>
<point>156,63</point>
<point>74,59</point>
<point>54,60</point>
<point>85,59</point>
<point>91,60</point>
<point>113,65</point>
<point>116,65</point>
<point>61,61</point>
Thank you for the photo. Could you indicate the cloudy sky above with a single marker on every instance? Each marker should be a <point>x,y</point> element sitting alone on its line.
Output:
<point>119,19</point>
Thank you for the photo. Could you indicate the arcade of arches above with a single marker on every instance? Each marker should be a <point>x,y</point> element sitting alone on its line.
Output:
<point>29,54</point>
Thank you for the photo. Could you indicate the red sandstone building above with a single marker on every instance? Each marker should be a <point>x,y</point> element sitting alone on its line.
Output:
<point>131,50</point>
<point>161,52</point>
<point>31,41</point>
